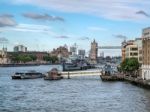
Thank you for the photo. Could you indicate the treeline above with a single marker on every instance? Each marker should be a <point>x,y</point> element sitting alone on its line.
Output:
<point>23,58</point>
<point>17,58</point>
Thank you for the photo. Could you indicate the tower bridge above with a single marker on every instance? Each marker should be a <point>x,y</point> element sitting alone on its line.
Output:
<point>94,50</point>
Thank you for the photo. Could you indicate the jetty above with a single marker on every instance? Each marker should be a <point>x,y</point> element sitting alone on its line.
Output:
<point>70,74</point>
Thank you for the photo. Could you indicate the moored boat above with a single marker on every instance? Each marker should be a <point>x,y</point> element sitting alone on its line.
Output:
<point>53,75</point>
<point>27,75</point>
<point>76,66</point>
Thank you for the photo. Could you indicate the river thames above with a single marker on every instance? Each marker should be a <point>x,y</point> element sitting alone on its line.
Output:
<point>78,94</point>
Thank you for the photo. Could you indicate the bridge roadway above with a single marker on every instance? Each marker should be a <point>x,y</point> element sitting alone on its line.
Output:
<point>70,74</point>
<point>109,47</point>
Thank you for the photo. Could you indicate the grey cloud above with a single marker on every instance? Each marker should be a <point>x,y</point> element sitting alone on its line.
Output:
<point>120,36</point>
<point>45,17</point>
<point>143,13</point>
<point>84,38</point>
<point>7,15</point>
<point>7,20</point>
<point>62,36</point>
<point>3,40</point>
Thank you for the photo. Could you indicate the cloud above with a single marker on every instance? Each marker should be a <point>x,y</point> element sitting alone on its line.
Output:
<point>7,15</point>
<point>7,20</point>
<point>62,37</point>
<point>3,40</point>
<point>84,38</point>
<point>30,28</point>
<point>96,29</point>
<point>44,17</point>
<point>110,9</point>
<point>120,36</point>
<point>143,13</point>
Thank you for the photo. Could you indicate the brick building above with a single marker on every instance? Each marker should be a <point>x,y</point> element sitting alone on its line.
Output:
<point>60,52</point>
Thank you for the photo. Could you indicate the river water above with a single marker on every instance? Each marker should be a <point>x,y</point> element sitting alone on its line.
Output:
<point>78,94</point>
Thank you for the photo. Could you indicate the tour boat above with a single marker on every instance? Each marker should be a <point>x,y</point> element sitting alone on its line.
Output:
<point>27,75</point>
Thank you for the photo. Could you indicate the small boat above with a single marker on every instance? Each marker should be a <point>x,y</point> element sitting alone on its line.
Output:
<point>27,75</point>
<point>53,75</point>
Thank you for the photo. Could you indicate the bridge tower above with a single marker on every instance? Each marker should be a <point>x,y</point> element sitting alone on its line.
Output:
<point>94,52</point>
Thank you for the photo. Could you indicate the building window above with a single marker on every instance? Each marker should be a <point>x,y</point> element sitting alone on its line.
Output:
<point>134,49</point>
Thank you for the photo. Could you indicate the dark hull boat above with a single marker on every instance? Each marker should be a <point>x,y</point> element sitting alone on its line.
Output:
<point>70,67</point>
<point>27,75</point>
<point>53,78</point>
<point>75,67</point>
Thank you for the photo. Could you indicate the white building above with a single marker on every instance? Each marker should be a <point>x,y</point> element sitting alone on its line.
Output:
<point>81,53</point>
<point>138,42</point>
<point>133,49</point>
<point>102,54</point>
<point>20,48</point>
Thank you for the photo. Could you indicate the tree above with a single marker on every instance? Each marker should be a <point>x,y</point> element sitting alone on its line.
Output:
<point>20,58</point>
<point>47,58</point>
<point>33,57</point>
<point>130,65</point>
<point>25,58</point>
<point>124,65</point>
<point>52,59</point>
<point>15,57</point>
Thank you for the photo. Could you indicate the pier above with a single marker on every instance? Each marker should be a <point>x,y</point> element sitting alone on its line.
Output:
<point>81,73</point>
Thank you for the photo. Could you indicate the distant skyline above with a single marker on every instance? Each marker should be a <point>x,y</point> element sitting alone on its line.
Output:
<point>47,24</point>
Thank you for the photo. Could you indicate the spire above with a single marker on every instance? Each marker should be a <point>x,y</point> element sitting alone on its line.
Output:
<point>94,41</point>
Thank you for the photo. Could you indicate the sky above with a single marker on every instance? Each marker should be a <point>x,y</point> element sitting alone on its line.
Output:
<point>42,25</point>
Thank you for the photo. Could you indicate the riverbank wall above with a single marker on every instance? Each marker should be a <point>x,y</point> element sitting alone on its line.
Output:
<point>135,81</point>
<point>25,64</point>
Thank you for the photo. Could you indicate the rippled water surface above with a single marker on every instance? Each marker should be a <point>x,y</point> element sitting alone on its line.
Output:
<point>78,94</point>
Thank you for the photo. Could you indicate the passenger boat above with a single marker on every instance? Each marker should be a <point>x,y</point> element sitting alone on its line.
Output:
<point>27,75</point>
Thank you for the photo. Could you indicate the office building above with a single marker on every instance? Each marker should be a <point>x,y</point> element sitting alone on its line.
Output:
<point>81,53</point>
<point>146,53</point>
<point>20,48</point>
<point>132,49</point>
